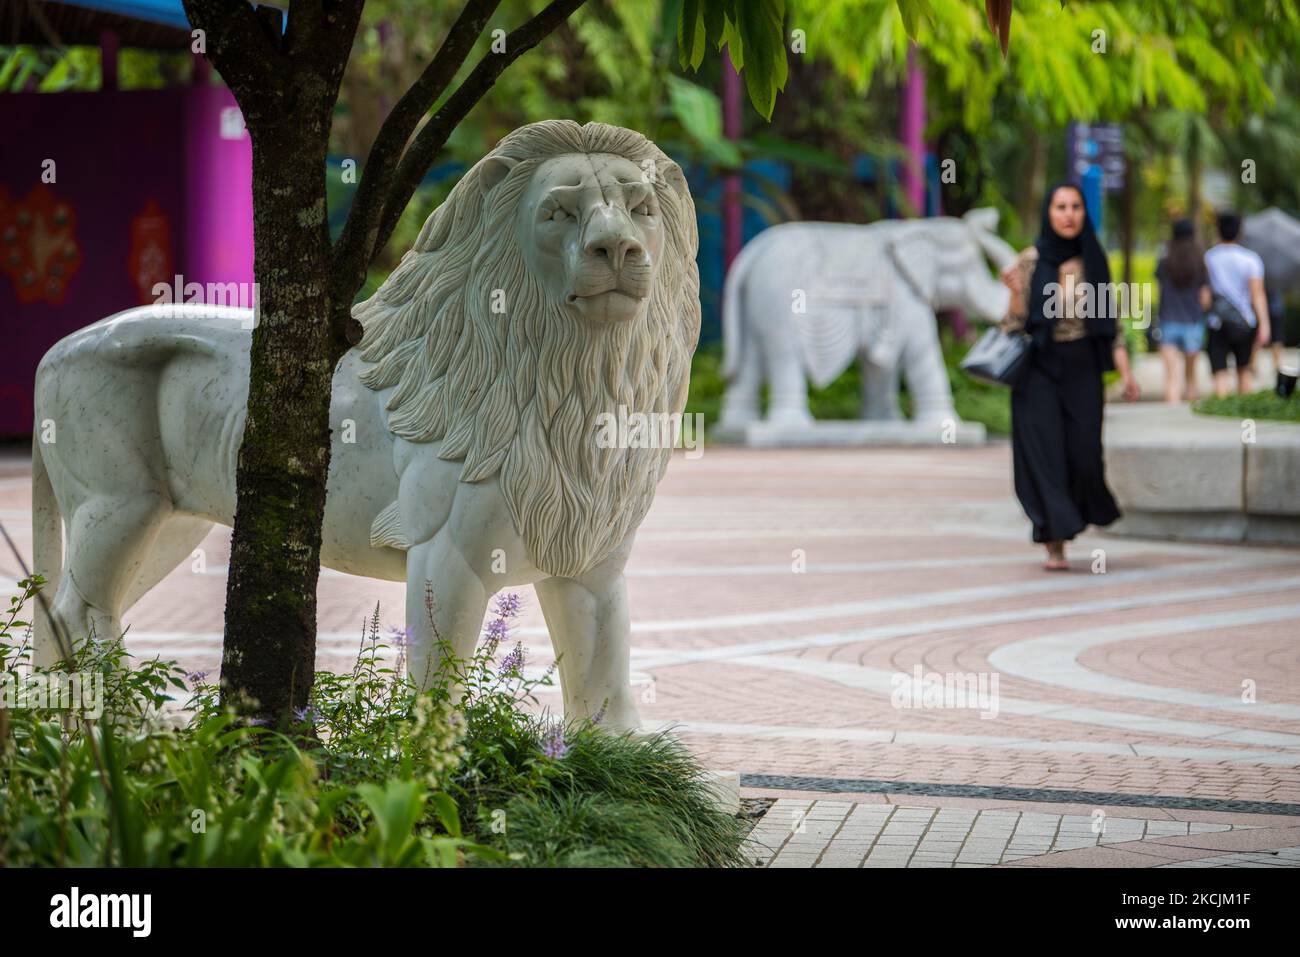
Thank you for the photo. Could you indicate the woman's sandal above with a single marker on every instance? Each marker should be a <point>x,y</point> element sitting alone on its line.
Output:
<point>1056,563</point>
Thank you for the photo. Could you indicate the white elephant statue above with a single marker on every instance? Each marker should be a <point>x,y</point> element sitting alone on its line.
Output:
<point>803,300</point>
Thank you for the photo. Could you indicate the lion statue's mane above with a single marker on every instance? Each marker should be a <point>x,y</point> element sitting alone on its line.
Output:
<point>513,384</point>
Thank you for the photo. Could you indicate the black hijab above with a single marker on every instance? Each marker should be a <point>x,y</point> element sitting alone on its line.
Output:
<point>1054,249</point>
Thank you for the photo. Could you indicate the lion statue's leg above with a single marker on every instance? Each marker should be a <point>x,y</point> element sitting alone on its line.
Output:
<point>591,631</point>
<point>452,612</point>
<point>109,539</point>
<point>176,541</point>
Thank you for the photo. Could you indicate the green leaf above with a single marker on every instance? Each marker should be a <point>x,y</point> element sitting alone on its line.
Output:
<point>913,13</point>
<point>396,808</point>
<point>698,109</point>
<point>691,34</point>
<point>760,25</point>
<point>448,816</point>
<point>715,18</point>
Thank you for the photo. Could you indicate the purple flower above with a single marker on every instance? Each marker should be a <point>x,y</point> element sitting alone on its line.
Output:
<point>599,716</point>
<point>259,722</point>
<point>399,637</point>
<point>553,745</point>
<point>196,678</point>
<point>497,630</point>
<point>507,605</point>
<point>512,662</point>
<point>305,715</point>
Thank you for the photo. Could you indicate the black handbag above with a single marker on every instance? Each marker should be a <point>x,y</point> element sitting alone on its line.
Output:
<point>998,358</point>
<point>1223,315</point>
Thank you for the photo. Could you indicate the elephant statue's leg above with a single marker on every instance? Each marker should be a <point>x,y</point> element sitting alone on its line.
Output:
<point>926,374</point>
<point>787,387</point>
<point>880,391</point>
<point>740,403</point>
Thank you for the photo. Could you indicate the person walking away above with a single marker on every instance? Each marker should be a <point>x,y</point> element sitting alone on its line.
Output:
<point>1277,324</point>
<point>1062,297</point>
<point>1239,319</point>
<point>1184,299</point>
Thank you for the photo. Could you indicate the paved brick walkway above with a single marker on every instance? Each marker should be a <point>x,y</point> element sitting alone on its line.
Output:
<point>784,601</point>
<point>807,833</point>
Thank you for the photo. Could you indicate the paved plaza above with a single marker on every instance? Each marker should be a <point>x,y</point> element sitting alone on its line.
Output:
<point>868,636</point>
<point>818,833</point>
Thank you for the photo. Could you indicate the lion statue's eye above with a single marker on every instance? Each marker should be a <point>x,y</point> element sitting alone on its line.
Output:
<point>559,215</point>
<point>643,209</point>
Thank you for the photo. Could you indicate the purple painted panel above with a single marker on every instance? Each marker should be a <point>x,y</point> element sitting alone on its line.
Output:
<point>128,168</point>
<point>219,189</point>
<point>912,133</point>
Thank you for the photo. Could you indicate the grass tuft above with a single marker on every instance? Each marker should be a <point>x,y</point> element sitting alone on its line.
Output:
<point>1255,405</point>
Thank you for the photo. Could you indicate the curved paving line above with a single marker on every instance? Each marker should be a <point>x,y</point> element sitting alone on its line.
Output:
<point>782,782</point>
<point>1053,659</point>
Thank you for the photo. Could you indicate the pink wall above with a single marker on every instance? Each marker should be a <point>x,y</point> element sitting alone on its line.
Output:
<point>218,189</point>
<point>144,187</point>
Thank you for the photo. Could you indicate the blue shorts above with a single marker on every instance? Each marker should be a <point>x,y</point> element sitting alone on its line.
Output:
<point>1187,336</point>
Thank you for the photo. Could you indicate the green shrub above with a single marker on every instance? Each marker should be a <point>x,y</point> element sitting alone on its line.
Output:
<point>974,401</point>
<point>144,785</point>
<point>1255,405</point>
<point>593,830</point>
<point>372,773</point>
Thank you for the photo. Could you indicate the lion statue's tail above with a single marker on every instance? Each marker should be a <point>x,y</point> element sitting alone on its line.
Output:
<point>47,554</point>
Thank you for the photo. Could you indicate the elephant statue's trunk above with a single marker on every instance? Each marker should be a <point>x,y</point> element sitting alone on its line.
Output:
<point>983,224</point>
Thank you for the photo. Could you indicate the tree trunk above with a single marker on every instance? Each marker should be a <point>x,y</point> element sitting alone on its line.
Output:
<point>270,639</point>
<point>1194,180</point>
<point>1034,184</point>
<point>1127,224</point>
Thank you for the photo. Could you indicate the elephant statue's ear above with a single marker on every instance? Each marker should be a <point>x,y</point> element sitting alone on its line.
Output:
<point>914,258</point>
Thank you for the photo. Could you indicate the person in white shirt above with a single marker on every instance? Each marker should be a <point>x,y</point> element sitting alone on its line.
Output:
<point>1237,275</point>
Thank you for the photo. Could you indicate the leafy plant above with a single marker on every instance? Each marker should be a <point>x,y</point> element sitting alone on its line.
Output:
<point>1255,405</point>
<point>974,401</point>
<point>373,772</point>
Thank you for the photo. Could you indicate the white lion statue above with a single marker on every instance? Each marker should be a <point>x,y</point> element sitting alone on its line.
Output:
<point>556,284</point>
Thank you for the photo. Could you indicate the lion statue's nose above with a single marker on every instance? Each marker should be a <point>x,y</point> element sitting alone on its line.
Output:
<point>609,234</point>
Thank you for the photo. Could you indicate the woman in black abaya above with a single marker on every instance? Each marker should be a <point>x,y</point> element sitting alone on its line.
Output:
<point>1061,297</point>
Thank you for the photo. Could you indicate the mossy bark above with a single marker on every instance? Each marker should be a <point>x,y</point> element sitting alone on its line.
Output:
<point>285,77</point>
<point>270,637</point>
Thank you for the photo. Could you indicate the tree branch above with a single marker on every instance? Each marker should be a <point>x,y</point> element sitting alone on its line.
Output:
<point>356,244</point>
<point>240,49</point>
<point>431,138</point>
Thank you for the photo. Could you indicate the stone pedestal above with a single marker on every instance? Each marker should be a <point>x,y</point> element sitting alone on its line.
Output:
<point>726,789</point>
<point>1180,475</point>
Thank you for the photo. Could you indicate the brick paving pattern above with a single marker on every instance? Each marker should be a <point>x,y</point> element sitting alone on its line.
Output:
<point>783,601</point>
<point>1283,857</point>
<point>805,833</point>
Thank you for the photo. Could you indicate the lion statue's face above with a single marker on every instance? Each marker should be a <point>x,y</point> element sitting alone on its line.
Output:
<point>556,283</point>
<point>592,235</point>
